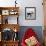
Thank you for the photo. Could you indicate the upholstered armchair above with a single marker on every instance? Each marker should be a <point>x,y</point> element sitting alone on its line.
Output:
<point>30,38</point>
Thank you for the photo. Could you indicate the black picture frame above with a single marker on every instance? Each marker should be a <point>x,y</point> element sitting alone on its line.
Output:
<point>30,13</point>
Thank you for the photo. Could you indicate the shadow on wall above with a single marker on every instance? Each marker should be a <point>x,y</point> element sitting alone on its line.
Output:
<point>37,29</point>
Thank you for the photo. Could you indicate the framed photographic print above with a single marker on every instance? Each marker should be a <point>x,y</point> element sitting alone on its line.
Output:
<point>30,13</point>
<point>13,12</point>
<point>5,12</point>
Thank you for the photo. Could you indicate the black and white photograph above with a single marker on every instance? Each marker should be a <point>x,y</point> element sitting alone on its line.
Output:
<point>30,13</point>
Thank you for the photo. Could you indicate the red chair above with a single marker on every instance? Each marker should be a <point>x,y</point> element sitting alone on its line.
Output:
<point>29,33</point>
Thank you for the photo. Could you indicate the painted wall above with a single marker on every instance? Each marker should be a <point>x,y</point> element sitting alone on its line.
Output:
<point>26,3</point>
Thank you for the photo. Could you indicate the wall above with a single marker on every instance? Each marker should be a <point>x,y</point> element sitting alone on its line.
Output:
<point>39,12</point>
<point>27,3</point>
